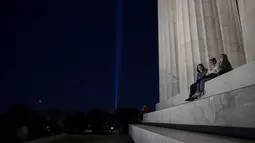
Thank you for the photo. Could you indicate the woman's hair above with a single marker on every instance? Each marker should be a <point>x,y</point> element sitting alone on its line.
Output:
<point>213,60</point>
<point>203,67</point>
<point>225,64</point>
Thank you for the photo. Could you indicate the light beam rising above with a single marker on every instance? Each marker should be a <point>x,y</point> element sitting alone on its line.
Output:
<point>118,48</point>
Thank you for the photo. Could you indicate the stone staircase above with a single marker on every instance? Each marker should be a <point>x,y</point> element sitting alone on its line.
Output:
<point>150,134</point>
<point>224,114</point>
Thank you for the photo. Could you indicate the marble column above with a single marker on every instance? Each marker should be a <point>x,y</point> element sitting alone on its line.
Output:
<point>212,29</point>
<point>231,31</point>
<point>161,50</point>
<point>247,13</point>
<point>188,43</point>
<point>201,31</point>
<point>167,47</point>
<point>194,35</point>
<point>181,49</point>
<point>160,54</point>
<point>173,46</point>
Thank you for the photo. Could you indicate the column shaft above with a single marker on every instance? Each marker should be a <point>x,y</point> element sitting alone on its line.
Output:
<point>247,12</point>
<point>161,54</point>
<point>162,48</point>
<point>173,46</point>
<point>203,52</point>
<point>194,35</point>
<point>231,32</point>
<point>167,48</point>
<point>181,49</point>
<point>188,43</point>
<point>212,29</point>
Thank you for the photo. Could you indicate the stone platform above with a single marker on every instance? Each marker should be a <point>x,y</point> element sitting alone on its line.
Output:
<point>234,108</point>
<point>149,134</point>
<point>229,101</point>
<point>239,78</point>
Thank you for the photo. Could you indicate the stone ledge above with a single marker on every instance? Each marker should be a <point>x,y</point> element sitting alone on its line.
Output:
<point>238,78</point>
<point>149,134</point>
<point>234,109</point>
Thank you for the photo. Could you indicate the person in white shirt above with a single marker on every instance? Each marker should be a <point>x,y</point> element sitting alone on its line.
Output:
<point>212,73</point>
<point>213,69</point>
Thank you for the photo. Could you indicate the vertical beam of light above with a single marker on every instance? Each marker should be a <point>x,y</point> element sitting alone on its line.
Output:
<point>118,47</point>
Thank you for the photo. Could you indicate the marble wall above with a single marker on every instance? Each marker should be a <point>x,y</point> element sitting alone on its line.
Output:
<point>193,31</point>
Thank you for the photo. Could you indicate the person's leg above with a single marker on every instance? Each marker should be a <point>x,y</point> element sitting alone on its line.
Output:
<point>193,89</point>
<point>202,84</point>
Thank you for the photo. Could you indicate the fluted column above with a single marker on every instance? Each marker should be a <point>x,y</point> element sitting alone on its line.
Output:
<point>212,29</point>
<point>161,50</point>
<point>173,45</point>
<point>160,53</point>
<point>181,49</point>
<point>247,13</point>
<point>167,48</point>
<point>194,35</point>
<point>231,31</point>
<point>188,43</point>
<point>201,30</point>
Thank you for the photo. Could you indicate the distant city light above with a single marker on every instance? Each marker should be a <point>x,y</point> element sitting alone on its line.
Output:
<point>111,128</point>
<point>40,101</point>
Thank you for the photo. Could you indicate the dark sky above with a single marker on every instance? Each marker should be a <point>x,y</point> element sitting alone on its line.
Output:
<point>63,52</point>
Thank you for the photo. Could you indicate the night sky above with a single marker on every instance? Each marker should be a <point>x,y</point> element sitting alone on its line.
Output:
<point>63,53</point>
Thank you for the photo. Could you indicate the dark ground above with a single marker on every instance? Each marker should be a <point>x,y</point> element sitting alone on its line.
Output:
<point>95,139</point>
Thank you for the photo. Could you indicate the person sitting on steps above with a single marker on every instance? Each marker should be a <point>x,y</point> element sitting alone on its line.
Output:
<point>201,72</point>
<point>224,65</point>
<point>212,73</point>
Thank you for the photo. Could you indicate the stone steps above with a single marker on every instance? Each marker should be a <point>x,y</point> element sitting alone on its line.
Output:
<point>234,109</point>
<point>226,110</point>
<point>238,78</point>
<point>150,134</point>
<point>230,102</point>
<point>237,132</point>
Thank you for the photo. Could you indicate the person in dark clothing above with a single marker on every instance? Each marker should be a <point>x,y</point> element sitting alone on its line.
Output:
<point>212,73</point>
<point>224,65</point>
<point>201,72</point>
<point>145,109</point>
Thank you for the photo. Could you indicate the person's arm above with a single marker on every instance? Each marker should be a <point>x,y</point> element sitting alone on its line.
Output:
<point>207,73</point>
<point>218,70</point>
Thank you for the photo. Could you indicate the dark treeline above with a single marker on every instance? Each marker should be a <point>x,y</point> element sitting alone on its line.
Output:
<point>53,121</point>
